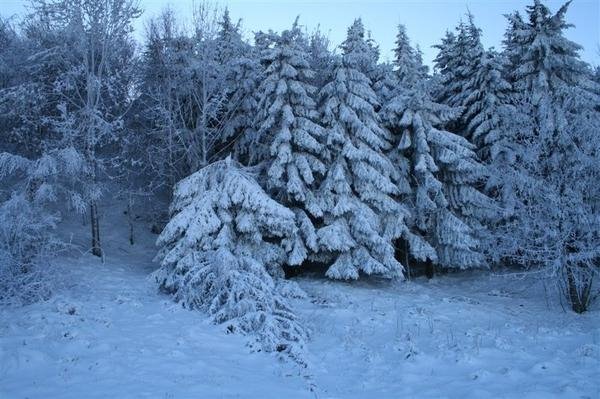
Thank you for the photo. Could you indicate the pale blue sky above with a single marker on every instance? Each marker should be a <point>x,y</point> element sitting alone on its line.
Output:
<point>426,20</point>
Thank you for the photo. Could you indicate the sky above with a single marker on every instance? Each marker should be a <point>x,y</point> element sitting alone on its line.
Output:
<point>426,20</point>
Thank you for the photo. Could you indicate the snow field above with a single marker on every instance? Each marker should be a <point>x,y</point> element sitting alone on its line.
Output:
<point>110,334</point>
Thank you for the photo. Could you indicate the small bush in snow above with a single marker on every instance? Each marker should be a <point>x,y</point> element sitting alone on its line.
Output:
<point>222,253</point>
<point>26,247</point>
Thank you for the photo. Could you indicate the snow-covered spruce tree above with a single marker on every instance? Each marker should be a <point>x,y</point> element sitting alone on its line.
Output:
<point>557,220</point>
<point>360,50</point>
<point>458,61</point>
<point>423,69</point>
<point>287,123</point>
<point>242,72</point>
<point>405,59</point>
<point>319,57</point>
<point>488,105</point>
<point>230,44</point>
<point>239,129</point>
<point>443,169</point>
<point>494,123</point>
<point>401,75</point>
<point>222,253</point>
<point>384,83</point>
<point>361,217</point>
<point>596,74</point>
<point>242,127</point>
<point>444,56</point>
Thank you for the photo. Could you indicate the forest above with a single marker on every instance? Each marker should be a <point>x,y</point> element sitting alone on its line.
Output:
<point>257,160</point>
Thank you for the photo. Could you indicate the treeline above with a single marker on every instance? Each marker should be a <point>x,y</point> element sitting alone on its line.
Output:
<point>379,168</point>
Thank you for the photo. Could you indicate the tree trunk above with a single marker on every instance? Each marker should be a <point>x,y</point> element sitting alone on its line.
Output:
<point>579,298</point>
<point>130,220</point>
<point>407,259</point>
<point>95,228</point>
<point>429,269</point>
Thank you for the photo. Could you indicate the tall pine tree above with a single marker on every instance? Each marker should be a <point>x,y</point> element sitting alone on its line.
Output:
<point>442,167</point>
<point>361,215</point>
<point>458,61</point>
<point>287,122</point>
<point>556,221</point>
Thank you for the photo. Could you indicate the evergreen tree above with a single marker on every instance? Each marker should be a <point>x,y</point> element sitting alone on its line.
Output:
<point>241,70</point>
<point>405,59</point>
<point>229,40</point>
<point>423,69</point>
<point>458,61</point>
<point>361,215</point>
<point>488,105</point>
<point>287,124</point>
<point>384,83</point>
<point>556,220</point>
<point>222,253</point>
<point>494,121</point>
<point>360,50</point>
<point>319,58</point>
<point>239,129</point>
<point>596,74</point>
<point>445,205</point>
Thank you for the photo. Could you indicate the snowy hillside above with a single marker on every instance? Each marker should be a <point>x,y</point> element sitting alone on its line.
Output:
<point>109,333</point>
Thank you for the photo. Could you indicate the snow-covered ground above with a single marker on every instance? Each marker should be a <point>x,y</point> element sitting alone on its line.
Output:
<point>107,333</point>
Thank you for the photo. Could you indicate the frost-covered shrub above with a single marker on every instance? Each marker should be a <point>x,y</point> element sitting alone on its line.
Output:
<point>222,253</point>
<point>27,243</point>
<point>26,248</point>
<point>49,178</point>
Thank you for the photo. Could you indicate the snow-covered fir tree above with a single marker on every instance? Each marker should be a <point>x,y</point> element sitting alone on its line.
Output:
<point>405,59</point>
<point>239,130</point>
<point>384,83</point>
<point>319,57</point>
<point>287,123</point>
<point>488,105</point>
<point>222,253</point>
<point>443,170</point>
<point>241,70</point>
<point>458,61</point>
<point>423,69</point>
<point>556,220</point>
<point>229,40</point>
<point>596,74</point>
<point>360,49</point>
<point>494,123</point>
<point>361,215</point>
